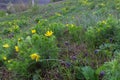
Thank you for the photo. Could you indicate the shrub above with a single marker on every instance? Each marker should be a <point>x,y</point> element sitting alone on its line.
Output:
<point>102,33</point>
<point>111,69</point>
<point>15,52</point>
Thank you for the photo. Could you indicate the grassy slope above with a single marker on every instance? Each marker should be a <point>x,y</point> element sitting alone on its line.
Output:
<point>86,14</point>
<point>78,12</point>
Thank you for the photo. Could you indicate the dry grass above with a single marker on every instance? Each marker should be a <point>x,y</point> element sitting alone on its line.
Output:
<point>13,8</point>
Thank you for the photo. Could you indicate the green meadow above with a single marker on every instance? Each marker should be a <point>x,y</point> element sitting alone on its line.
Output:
<point>65,40</point>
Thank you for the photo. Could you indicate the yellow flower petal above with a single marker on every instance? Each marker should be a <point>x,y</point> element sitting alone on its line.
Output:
<point>33,31</point>
<point>6,46</point>
<point>35,56</point>
<point>49,33</point>
<point>16,48</point>
<point>4,58</point>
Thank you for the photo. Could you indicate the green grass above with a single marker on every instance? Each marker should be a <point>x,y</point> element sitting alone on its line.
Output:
<point>84,14</point>
<point>85,36</point>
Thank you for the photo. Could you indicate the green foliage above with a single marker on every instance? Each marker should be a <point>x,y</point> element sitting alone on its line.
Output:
<point>67,40</point>
<point>76,33</point>
<point>6,51</point>
<point>13,26</point>
<point>111,69</point>
<point>15,65</point>
<point>103,31</point>
<point>79,75</point>
<point>2,13</point>
<point>88,73</point>
<point>58,29</point>
<point>106,51</point>
<point>45,46</point>
<point>117,38</point>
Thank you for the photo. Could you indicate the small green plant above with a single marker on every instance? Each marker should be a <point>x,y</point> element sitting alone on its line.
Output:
<point>103,31</point>
<point>58,29</point>
<point>87,72</point>
<point>29,49</point>
<point>111,69</point>
<point>79,75</point>
<point>76,33</point>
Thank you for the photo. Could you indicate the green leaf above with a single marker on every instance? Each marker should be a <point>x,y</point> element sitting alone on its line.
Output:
<point>88,73</point>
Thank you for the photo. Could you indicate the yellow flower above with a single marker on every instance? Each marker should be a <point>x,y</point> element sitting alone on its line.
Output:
<point>98,30</point>
<point>48,33</point>
<point>104,22</point>
<point>35,56</point>
<point>19,39</point>
<point>73,17</point>
<point>58,14</point>
<point>16,27</point>
<point>110,14</point>
<point>6,46</point>
<point>102,4</point>
<point>67,25</point>
<point>9,61</point>
<point>38,22</point>
<point>33,31</point>
<point>16,48</point>
<point>72,25</point>
<point>5,58</point>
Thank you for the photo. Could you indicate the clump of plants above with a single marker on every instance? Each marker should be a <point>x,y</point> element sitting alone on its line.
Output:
<point>103,32</point>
